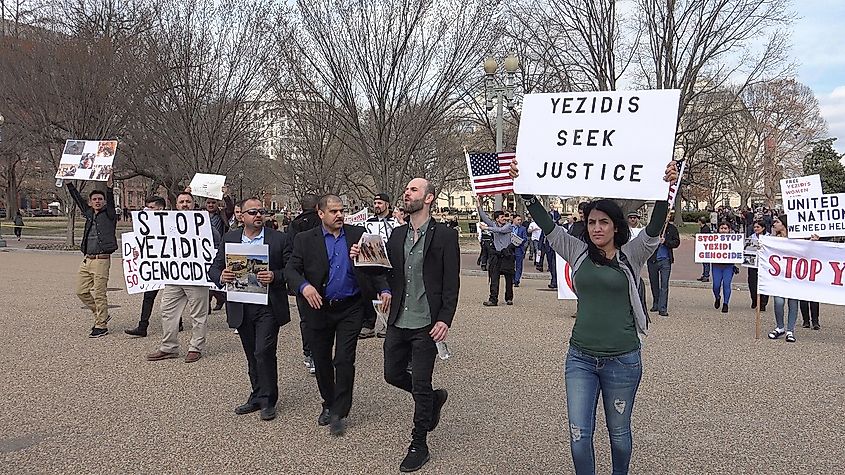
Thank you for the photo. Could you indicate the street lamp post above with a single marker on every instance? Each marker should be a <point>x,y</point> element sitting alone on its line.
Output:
<point>502,93</point>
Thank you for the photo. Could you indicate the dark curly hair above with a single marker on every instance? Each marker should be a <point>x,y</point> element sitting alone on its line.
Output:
<point>620,237</point>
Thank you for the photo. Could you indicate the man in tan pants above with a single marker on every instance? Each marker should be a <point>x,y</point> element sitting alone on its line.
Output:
<point>98,243</point>
<point>176,300</point>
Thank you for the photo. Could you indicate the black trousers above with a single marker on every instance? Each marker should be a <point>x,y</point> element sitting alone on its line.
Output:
<point>147,308</point>
<point>369,313</point>
<point>809,312</point>
<point>259,334</point>
<point>752,287</point>
<point>401,346</point>
<point>336,376</point>
<point>496,266</point>
<point>303,330</point>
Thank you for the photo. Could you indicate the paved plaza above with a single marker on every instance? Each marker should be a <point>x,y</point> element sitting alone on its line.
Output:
<point>713,400</point>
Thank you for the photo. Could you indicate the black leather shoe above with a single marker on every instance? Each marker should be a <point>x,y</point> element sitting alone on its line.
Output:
<point>440,397</point>
<point>246,408</point>
<point>490,304</point>
<point>508,302</point>
<point>416,458</point>
<point>325,418</point>
<point>337,426</point>
<point>141,332</point>
<point>268,413</point>
<point>652,309</point>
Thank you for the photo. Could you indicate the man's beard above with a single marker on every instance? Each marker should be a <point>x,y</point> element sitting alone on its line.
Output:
<point>413,206</point>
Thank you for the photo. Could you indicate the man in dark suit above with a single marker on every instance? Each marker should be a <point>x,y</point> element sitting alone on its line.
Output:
<point>425,279</point>
<point>308,219</point>
<point>328,287</point>
<point>258,325</point>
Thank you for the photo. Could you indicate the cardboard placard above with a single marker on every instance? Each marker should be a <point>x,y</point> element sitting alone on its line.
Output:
<point>87,160</point>
<point>613,144</point>
<point>719,248</point>
<point>176,247</point>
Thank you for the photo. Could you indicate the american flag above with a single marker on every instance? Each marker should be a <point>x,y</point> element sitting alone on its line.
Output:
<point>489,172</point>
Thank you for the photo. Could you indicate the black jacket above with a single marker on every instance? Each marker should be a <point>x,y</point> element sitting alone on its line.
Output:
<point>105,220</point>
<point>305,221</point>
<point>280,249</point>
<point>441,271</point>
<point>310,262</point>
<point>671,240</point>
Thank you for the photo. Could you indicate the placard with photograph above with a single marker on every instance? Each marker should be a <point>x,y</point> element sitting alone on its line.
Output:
<point>87,160</point>
<point>246,261</point>
<point>373,252</point>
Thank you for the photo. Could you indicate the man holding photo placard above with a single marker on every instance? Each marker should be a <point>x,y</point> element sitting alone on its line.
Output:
<point>258,325</point>
<point>97,245</point>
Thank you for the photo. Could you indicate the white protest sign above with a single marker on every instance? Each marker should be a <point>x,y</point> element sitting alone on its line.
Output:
<point>565,285</point>
<point>131,276</point>
<point>356,219</point>
<point>823,215</point>
<point>802,270</point>
<point>382,227</point>
<point>176,247</point>
<point>613,144</point>
<point>209,186</point>
<point>801,187</point>
<point>87,160</point>
<point>719,248</point>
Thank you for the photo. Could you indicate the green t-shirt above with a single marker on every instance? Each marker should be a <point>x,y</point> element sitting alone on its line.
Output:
<point>605,325</point>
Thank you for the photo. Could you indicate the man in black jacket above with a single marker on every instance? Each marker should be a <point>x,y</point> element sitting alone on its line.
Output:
<point>98,243</point>
<point>306,220</point>
<point>328,287</point>
<point>258,325</point>
<point>425,279</point>
<point>660,268</point>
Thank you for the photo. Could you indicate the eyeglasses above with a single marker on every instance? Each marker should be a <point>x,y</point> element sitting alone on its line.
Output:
<point>253,212</point>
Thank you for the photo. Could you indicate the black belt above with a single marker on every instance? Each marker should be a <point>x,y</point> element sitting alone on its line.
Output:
<point>336,304</point>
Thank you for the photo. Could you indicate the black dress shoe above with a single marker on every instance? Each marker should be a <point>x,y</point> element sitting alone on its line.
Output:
<point>325,418</point>
<point>246,408</point>
<point>218,306</point>
<point>652,309</point>
<point>805,325</point>
<point>440,397</point>
<point>416,458</point>
<point>337,426</point>
<point>490,304</point>
<point>268,413</point>
<point>141,332</point>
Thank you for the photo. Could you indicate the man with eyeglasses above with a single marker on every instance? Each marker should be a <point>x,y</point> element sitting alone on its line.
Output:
<point>258,325</point>
<point>328,286</point>
<point>175,300</point>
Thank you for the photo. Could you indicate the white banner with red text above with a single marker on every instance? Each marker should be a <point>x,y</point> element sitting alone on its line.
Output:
<point>804,270</point>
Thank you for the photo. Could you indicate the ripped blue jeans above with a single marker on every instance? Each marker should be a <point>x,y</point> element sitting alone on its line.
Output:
<point>617,379</point>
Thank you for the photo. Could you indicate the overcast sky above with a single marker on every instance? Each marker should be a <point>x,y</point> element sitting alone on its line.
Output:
<point>819,50</point>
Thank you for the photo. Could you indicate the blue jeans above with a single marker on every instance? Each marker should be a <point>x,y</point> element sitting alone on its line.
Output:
<point>520,258</point>
<point>658,279</point>
<point>551,258</point>
<point>792,316</point>
<point>723,275</point>
<point>616,379</point>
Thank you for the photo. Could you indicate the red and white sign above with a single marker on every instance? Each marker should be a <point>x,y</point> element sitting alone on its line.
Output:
<point>357,219</point>
<point>719,248</point>
<point>565,284</point>
<point>131,259</point>
<point>804,270</point>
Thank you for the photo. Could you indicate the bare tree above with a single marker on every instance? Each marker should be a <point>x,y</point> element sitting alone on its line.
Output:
<point>394,69</point>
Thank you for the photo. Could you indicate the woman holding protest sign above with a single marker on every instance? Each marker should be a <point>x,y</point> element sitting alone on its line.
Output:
<point>779,230</point>
<point>604,350</point>
<point>759,229</point>
<point>723,275</point>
